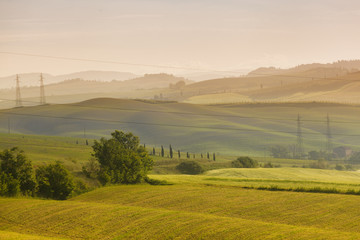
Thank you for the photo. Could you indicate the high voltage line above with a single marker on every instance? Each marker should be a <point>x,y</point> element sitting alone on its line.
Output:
<point>168,125</point>
<point>189,113</point>
<point>167,66</point>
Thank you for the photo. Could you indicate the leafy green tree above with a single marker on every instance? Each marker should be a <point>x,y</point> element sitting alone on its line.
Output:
<point>244,162</point>
<point>280,152</point>
<point>54,181</point>
<point>14,165</point>
<point>190,167</point>
<point>8,185</point>
<point>91,168</point>
<point>122,159</point>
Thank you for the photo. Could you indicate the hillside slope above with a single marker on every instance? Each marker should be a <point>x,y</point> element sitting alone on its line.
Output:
<point>245,129</point>
<point>184,212</point>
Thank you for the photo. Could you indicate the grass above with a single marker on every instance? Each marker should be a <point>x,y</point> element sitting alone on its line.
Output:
<point>185,212</point>
<point>272,203</point>
<point>45,149</point>
<point>4,235</point>
<point>276,179</point>
<point>216,205</point>
<point>261,126</point>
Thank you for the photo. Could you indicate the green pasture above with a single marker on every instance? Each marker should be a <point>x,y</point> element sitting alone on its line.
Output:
<point>227,129</point>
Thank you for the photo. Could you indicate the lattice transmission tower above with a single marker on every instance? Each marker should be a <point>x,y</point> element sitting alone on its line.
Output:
<point>18,94</point>
<point>299,149</point>
<point>329,147</point>
<point>42,90</point>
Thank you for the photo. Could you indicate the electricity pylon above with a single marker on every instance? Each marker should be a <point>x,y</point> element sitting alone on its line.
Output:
<point>299,151</point>
<point>42,90</point>
<point>18,94</point>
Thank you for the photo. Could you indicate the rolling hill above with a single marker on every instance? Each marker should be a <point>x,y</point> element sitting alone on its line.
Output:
<point>32,79</point>
<point>185,210</point>
<point>236,129</point>
<point>75,90</point>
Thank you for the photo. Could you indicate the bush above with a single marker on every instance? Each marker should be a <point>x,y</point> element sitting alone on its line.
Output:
<point>91,168</point>
<point>320,164</point>
<point>8,185</point>
<point>152,181</point>
<point>190,167</point>
<point>15,167</point>
<point>355,157</point>
<point>339,167</point>
<point>244,162</point>
<point>268,165</point>
<point>54,181</point>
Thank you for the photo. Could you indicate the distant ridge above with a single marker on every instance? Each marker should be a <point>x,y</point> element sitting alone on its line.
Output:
<point>32,79</point>
<point>346,65</point>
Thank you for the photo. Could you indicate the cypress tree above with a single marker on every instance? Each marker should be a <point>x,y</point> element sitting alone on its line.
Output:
<point>208,156</point>
<point>162,151</point>
<point>187,155</point>
<point>171,152</point>
<point>214,156</point>
<point>179,153</point>
<point>154,151</point>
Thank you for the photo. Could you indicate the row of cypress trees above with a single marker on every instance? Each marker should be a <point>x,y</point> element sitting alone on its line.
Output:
<point>188,155</point>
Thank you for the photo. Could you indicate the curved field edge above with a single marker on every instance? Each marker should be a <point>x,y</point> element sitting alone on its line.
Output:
<point>326,211</point>
<point>295,174</point>
<point>4,235</point>
<point>77,220</point>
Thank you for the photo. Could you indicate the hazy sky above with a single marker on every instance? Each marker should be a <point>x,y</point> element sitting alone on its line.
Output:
<point>206,34</point>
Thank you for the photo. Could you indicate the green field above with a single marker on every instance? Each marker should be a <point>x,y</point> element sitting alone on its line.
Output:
<point>229,129</point>
<point>290,202</point>
<point>191,208</point>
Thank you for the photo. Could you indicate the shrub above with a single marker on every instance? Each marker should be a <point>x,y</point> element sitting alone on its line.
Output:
<point>190,167</point>
<point>244,162</point>
<point>91,168</point>
<point>8,185</point>
<point>54,181</point>
<point>339,167</point>
<point>15,166</point>
<point>268,165</point>
<point>320,164</point>
<point>152,181</point>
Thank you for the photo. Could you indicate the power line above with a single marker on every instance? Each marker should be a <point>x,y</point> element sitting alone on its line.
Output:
<point>191,114</point>
<point>115,62</point>
<point>168,66</point>
<point>169,125</point>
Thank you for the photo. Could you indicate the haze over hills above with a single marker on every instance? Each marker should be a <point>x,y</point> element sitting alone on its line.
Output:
<point>232,129</point>
<point>334,82</point>
<point>347,66</point>
<point>32,79</point>
<point>75,90</point>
